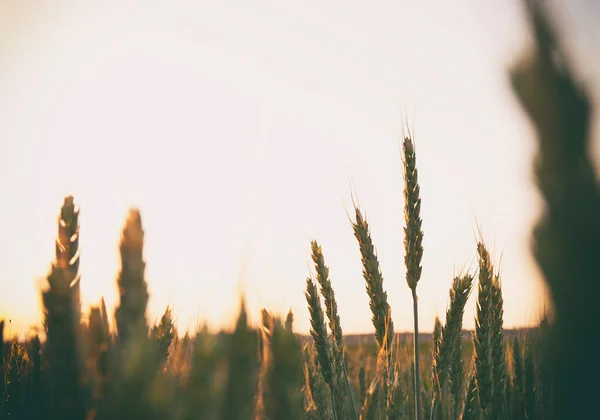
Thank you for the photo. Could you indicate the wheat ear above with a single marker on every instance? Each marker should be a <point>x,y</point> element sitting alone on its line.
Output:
<point>471,410</point>
<point>413,248</point>
<point>319,333</point>
<point>499,404</point>
<point>451,338</point>
<point>566,240</point>
<point>241,385</point>
<point>62,310</point>
<point>335,325</point>
<point>133,290</point>
<point>380,309</point>
<point>482,337</point>
<point>284,375</point>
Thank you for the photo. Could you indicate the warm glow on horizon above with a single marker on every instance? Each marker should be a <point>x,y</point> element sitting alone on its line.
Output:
<point>240,133</point>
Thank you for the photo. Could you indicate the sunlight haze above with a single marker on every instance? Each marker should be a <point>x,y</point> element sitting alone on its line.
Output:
<point>242,129</point>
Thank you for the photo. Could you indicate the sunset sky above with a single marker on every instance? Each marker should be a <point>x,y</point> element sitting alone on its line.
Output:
<point>241,129</point>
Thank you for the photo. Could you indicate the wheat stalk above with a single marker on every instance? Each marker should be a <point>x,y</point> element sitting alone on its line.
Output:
<point>335,327</point>
<point>362,378</point>
<point>499,404</point>
<point>530,381</point>
<point>162,336</point>
<point>380,309</point>
<point>471,410</point>
<point>62,317</point>
<point>13,404</point>
<point>372,407</point>
<point>481,340</point>
<point>379,395</point>
<point>566,240</point>
<point>457,378</point>
<point>435,366</point>
<point>133,290</point>
<point>450,347</point>
<point>289,321</point>
<point>201,394</point>
<point>284,375</point>
<point>242,375</point>
<point>397,407</point>
<point>518,379</point>
<point>319,333</point>
<point>316,388</point>
<point>98,345</point>
<point>134,364</point>
<point>35,379</point>
<point>413,248</point>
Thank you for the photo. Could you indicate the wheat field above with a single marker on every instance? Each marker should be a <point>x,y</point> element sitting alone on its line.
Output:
<point>84,366</point>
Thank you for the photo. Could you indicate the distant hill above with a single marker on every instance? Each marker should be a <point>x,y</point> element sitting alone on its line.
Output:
<point>355,339</point>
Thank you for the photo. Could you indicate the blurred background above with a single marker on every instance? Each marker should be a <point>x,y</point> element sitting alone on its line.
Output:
<point>241,131</point>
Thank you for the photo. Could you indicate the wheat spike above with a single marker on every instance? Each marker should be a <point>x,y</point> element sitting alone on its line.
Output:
<point>380,309</point>
<point>413,248</point>
<point>482,336</point>
<point>319,334</point>
<point>242,376</point>
<point>63,317</point>
<point>316,388</point>
<point>284,376</point>
<point>450,346</point>
<point>499,404</point>
<point>202,390</point>
<point>134,362</point>
<point>413,232</point>
<point>162,335</point>
<point>566,240</point>
<point>133,290</point>
<point>471,409</point>
<point>289,321</point>
<point>435,366</point>
<point>343,382</point>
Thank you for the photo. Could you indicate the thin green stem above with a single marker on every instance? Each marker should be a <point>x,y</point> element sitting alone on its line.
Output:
<point>417,371</point>
<point>333,405</point>
<point>354,413</point>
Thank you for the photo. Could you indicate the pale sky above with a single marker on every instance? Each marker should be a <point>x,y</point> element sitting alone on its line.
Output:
<point>238,129</point>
